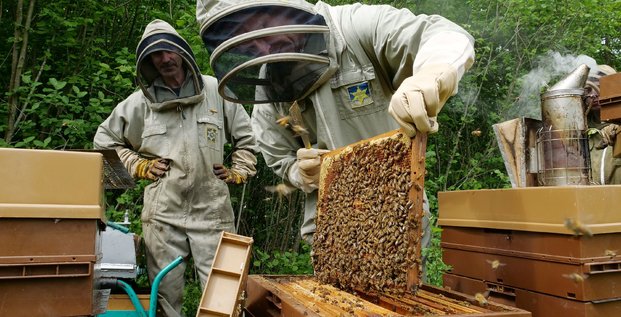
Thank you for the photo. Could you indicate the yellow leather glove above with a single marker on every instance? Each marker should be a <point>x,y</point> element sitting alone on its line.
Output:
<point>152,169</point>
<point>230,176</point>
<point>418,100</point>
<point>235,177</point>
<point>304,173</point>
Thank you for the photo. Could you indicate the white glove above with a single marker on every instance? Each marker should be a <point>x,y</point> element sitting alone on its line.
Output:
<point>418,100</point>
<point>304,173</point>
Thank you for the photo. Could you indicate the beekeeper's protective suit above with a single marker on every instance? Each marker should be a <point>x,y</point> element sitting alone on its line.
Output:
<point>605,168</point>
<point>186,209</point>
<point>347,66</point>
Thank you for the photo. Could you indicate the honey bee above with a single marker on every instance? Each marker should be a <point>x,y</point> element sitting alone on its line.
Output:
<point>610,253</point>
<point>495,264</point>
<point>576,277</point>
<point>280,189</point>
<point>358,204</point>
<point>283,121</point>
<point>298,129</point>
<point>480,298</point>
<point>578,227</point>
<point>476,133</point>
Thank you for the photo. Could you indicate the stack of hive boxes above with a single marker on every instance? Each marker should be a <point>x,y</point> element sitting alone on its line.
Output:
<point>548,250</point>
<point>51,211</point>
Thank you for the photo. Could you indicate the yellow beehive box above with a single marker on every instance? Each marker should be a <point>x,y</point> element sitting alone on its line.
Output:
<point>562,209</point>
<point>51,184</point>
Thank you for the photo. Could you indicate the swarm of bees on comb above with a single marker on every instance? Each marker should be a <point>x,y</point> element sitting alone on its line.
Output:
<point>367,238</point>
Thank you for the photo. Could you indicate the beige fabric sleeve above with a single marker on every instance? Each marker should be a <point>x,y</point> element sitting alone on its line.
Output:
<point>244,163</point>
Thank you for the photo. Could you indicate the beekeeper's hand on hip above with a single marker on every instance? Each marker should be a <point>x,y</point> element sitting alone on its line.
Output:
<point>304,173</point>
<point>153,169</point>
<point>418,100</point>
<point>229,175</point>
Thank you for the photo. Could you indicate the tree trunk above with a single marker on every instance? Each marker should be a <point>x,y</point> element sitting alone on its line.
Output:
<point>17,66</point>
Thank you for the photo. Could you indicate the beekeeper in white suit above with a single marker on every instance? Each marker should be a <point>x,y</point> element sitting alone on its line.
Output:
<point>348,67</point>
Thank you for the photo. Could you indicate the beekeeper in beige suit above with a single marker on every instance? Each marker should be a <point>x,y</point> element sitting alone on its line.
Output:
<point>172,131</point>
<point>605,168</point>
<point>348,67</point>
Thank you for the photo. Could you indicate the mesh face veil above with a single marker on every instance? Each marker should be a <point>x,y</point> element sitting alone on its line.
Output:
<point>267,51</point>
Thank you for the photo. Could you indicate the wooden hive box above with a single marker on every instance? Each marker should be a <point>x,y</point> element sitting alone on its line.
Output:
<point>539,248</point>
<point>539,304</point>
<point>547,263</point>
<point>535,209</point>
<point>610,98</point>
<point>51,213</point>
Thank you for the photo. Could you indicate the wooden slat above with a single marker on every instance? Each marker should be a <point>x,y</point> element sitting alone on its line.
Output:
<point>224,287</point>
<point>299,296</point>
<point>446,303</point>
<point>419,146</point>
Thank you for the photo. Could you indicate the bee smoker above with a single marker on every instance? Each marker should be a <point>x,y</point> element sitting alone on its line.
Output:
<point>562,144</point>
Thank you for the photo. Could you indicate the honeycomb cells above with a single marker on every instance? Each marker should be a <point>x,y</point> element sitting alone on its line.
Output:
<point>366,236</point>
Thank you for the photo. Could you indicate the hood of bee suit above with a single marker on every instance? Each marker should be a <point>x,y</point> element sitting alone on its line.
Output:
<point>265,51</point>
<point>596,74</point>
<point>161,36</point>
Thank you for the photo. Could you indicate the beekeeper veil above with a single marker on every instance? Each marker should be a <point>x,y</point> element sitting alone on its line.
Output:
<point>265,51</point>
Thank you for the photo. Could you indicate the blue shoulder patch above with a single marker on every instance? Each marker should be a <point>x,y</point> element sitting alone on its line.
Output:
<point>359,94</point>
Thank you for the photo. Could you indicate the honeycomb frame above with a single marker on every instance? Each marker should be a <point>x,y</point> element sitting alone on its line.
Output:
<point>369,215</point>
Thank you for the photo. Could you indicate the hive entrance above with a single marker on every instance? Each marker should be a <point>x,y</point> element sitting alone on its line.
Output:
<point>369,215</point>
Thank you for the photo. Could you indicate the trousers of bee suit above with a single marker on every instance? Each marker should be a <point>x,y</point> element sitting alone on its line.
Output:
<point>165,243</point>
<point>605,168</point>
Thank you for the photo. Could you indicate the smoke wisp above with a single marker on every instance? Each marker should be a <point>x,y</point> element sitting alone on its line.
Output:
<point>551,68</point>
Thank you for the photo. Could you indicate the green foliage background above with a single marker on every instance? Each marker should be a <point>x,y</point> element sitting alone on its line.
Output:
<point>77,61</point>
